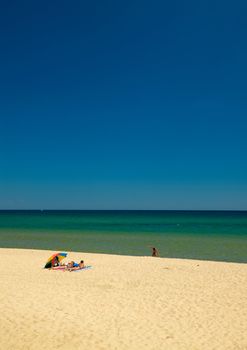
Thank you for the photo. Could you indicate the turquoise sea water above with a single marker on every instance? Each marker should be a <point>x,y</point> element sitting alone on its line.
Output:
<point>211,235</point>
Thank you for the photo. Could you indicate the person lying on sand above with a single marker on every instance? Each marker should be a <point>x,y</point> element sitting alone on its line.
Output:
<point>55,262</point>
<point>77,266</point>
<point>70,265</point>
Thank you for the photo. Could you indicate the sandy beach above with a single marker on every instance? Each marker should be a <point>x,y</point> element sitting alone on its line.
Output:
<point>124,302</point>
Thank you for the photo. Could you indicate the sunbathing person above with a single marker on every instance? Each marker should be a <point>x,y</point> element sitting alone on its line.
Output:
<point>76,266</point>
<point>55,262</point>
<point>71,264</point>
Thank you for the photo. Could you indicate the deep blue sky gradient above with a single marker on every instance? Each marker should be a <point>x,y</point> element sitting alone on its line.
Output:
<point>132,105</point>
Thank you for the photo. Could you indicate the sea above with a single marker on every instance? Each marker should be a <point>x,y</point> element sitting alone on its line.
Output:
<point>204,235</point>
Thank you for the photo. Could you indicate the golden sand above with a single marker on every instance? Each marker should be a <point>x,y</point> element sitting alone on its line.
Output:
<point>124,302</point>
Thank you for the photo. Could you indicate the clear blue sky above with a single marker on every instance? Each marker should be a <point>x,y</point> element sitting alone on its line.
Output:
<point>123,105</point>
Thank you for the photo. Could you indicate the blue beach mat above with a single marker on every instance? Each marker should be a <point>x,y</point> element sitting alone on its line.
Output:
<point>84,268</point>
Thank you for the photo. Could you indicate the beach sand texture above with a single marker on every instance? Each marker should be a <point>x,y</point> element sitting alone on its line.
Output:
<point>124,302</point>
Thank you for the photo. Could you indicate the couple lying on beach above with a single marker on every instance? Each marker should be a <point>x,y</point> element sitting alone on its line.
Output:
<point>71,266</point>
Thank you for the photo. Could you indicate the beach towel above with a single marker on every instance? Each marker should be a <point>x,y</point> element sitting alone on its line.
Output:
<point>84,268</point>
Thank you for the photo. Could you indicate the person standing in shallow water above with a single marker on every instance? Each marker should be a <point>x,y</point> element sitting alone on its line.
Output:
<point>155,252</point>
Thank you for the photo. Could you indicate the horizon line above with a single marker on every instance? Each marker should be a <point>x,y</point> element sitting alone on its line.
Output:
<point>206,210</point>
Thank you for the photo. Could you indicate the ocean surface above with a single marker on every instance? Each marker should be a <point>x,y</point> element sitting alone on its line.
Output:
<point>210,235</point>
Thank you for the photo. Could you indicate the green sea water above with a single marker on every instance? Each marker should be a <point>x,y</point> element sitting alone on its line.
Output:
<point>210,235</point>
